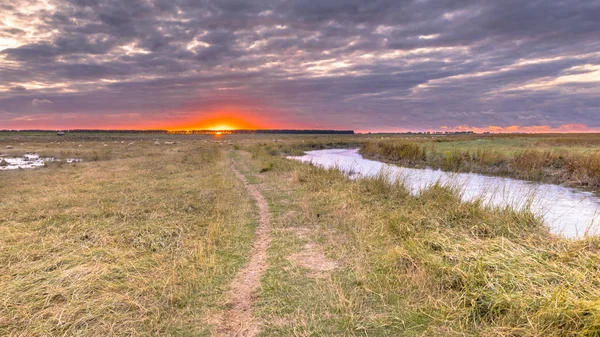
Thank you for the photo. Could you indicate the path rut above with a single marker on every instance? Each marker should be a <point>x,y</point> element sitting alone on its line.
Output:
<point>238,320</point>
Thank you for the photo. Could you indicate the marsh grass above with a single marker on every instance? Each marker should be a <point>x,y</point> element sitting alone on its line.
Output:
<point>131,244</point>
<point>428,264</point>
<point>573,168</point>
<point>145,239</point>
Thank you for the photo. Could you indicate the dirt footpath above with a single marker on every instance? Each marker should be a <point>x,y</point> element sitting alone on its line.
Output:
<point>239,320</point>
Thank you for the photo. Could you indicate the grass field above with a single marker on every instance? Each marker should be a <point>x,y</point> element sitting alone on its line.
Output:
<point>146,239</point>
<point>428,265</point>
<point>140,240</point>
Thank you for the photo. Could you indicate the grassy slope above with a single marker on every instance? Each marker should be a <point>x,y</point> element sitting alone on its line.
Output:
<point>141,245</point>
<point>427,265</point>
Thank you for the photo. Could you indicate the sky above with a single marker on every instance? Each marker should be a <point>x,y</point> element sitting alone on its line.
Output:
<point>373,65</point>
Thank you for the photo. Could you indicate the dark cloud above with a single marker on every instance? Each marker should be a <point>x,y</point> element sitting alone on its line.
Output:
<point>342,63</point>
<point>31,52</point>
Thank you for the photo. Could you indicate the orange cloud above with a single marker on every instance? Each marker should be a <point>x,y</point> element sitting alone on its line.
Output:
<point>218,119</point>
<point>565,128</point>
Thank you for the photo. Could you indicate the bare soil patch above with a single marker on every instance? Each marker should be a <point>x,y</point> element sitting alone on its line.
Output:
<point>312,258</point>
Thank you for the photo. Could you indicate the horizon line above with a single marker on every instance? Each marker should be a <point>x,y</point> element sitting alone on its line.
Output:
<point>303,131</point>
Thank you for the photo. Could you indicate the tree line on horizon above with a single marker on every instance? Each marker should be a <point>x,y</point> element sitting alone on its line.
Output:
<point>196,132</point>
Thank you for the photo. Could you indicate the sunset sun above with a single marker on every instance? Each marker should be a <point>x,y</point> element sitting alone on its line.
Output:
<point>221,127</point>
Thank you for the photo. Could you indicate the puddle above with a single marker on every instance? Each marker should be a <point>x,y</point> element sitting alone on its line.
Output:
<point>570,212</point>
<point>29,160</point>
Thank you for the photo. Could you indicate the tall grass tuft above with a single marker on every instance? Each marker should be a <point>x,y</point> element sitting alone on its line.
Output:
<point>410,152</point>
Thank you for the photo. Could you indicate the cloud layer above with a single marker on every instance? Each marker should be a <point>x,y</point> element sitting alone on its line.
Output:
<point>365,65</point>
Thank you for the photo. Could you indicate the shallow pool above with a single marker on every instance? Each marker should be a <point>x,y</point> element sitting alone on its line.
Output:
<point>29,160</point>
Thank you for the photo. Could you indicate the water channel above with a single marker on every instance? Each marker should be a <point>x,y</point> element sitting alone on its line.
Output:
<point>570,212</point>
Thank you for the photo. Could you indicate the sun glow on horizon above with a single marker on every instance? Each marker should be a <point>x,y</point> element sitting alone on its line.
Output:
<point>221,127</point>
<point>221,120</point>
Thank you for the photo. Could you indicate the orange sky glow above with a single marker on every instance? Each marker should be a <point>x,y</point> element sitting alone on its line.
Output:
<point>566,128</point>
<point>232,118</point>
<point>227,120</point>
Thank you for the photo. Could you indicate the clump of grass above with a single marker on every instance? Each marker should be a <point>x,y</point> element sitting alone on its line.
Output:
<point>409,152</point>
<point>268,167</point>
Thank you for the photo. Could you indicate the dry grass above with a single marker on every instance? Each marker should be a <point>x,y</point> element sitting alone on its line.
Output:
<point>133,246</point>
<point>146,239</point>
<point>413,266</point>
<point>553,165</point>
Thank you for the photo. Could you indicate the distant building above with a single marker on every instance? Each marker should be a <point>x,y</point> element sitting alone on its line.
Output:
<point>60,133</point>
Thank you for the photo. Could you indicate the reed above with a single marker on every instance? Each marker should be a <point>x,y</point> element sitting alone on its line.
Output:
<point>573,168</point>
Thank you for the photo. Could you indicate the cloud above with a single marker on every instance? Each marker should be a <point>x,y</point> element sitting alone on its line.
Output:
<point>18,88</point>
<point>38,102</point>
<point>341,63</point>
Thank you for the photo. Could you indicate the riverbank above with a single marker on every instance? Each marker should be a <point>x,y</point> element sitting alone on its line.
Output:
<point>555,166</point>
<point>415,265</point>
<point>567,211</point>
